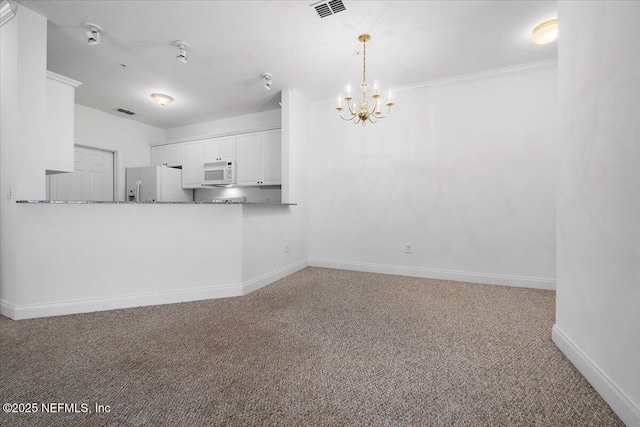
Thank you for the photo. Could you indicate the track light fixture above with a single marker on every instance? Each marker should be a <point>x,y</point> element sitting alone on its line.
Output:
<point>93,34</point>
<point>267,80</point>
<point>182,46</point>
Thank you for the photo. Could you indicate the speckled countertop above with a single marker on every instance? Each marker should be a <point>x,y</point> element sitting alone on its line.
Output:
<point>90,202</point>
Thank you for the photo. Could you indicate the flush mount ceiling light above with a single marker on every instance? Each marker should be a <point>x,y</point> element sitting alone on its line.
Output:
<point>7,11</point>
<point>93,34</point>
<point>365,110</point>
<point>162,99</point>
<point>546,32</point>
<point>182,47</point>
<point>266,77</point>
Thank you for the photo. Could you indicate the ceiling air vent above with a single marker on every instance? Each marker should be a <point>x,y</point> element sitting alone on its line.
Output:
<point>328,8</point>
<point>122,110</point>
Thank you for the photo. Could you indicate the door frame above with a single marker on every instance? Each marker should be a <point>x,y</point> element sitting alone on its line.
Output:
<point>116,164</point>
<point>116,159</point>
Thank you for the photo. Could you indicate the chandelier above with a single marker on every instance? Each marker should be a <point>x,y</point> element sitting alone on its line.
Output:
<point>364,110</point>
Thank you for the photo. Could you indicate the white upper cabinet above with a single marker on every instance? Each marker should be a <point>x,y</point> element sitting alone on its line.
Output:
<point>223,148</point>
<point>173,154</point>
<point>248,159</point>
<point>157,155</point>
<point>193,161</point>
<point>259,158</point>
<point>272,157</point>
<point>59,142</point>
<point>170,155</point>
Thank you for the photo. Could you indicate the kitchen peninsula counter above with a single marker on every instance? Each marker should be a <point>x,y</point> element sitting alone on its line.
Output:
<point>91,202</point>
<point>84,256</point>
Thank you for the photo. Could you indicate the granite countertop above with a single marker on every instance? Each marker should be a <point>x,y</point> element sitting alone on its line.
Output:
<point>90,202</point>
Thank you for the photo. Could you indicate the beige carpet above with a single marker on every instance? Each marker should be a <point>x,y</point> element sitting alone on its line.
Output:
<point>320,347</point>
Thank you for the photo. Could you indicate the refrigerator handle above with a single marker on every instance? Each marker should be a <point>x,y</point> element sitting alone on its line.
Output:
<point>137,195</point>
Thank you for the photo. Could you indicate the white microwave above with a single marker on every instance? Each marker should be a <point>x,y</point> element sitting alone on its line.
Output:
<point>219,173</point>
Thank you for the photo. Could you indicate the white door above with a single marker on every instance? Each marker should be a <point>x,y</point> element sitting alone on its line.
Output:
<point>91,179</point>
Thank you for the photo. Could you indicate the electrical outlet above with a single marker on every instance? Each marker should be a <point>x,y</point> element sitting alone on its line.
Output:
<point>286,247</point>
<point>407,248</point>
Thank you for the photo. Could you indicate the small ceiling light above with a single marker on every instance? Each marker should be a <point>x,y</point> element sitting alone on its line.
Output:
<point>182,46</point>
<point>267,80</point>
<point>7,11</point>
<point>545,32</point>
<point>93,34</point>
<point>162,99</point>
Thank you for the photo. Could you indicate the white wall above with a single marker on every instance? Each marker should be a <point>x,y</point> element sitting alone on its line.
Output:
<point>74,258</point>
<point>267,229</point>
<point>240,124</point>
<point>130,139</point>
<point>598,276</point>
<point>23,44</point>
<point>464,171</point>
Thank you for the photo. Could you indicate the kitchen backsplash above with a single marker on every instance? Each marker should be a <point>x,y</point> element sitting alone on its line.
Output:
<point>253,194</point>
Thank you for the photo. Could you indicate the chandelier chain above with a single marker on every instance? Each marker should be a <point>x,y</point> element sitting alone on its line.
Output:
<point>364,62</point>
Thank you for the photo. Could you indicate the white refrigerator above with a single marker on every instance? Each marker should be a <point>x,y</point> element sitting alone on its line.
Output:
<point>156,183</point>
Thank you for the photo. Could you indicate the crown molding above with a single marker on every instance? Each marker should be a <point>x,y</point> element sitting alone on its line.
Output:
<point>529,67</point>
<point>62,79</point>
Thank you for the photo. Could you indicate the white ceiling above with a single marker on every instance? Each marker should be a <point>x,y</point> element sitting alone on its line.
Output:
<point>233,42</point>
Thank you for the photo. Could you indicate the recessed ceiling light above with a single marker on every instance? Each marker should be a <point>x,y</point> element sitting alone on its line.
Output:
<point>162,99</point>
<point>545,32</point>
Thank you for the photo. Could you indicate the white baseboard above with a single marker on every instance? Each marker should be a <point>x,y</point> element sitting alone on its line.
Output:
<point>267,279</point>
<point>113,303</point>
<point>625,408</point>
<point>7,310</point>
<point>140,300</point>
<point>431,273</point>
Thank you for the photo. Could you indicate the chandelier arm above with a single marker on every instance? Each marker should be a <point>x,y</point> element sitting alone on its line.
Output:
<point>353,112</point>
<point>346,119</point>
<point>381,116</point>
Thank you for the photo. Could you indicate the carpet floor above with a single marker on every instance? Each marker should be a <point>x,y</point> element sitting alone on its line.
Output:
<point>320,347</point>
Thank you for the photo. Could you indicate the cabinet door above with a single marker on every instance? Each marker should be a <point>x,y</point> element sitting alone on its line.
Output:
<point>211,150</point>
<point>157,155</point>
<point>223,148</point>
<point>193,160</point>
<point>60,126</point>
<point>227,147</point>
<point>173,154</point>
<point>248,158</point>
<point>271,158</point>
